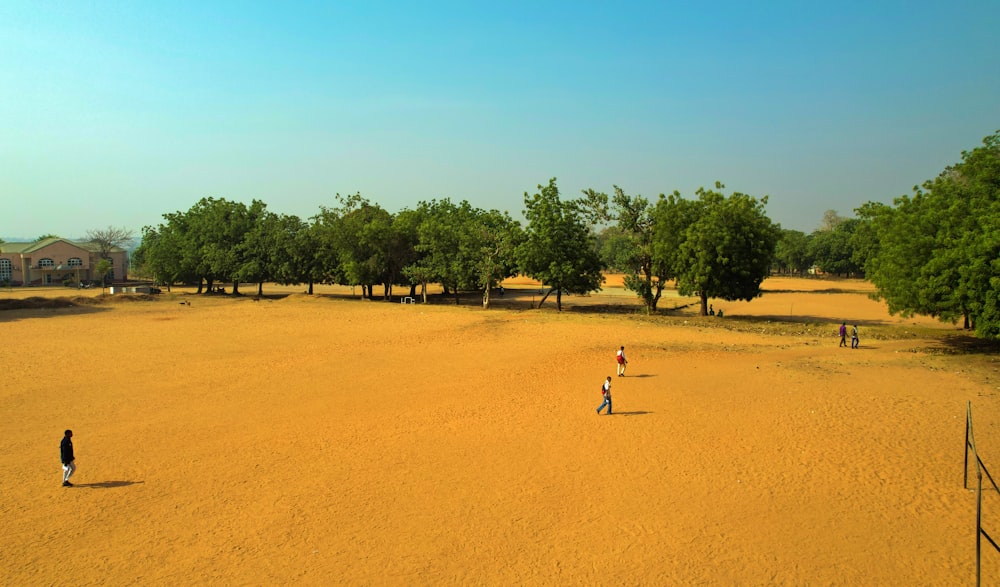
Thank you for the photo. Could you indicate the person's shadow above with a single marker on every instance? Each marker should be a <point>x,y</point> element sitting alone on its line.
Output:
<point>107,484</point>
<point>639,413</point>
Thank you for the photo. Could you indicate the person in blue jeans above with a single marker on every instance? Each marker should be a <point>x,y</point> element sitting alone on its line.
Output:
<point>606,392</point>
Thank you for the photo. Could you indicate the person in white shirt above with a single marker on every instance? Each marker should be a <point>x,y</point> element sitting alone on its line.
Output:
<point>606,392</point>
<point>622,361</point>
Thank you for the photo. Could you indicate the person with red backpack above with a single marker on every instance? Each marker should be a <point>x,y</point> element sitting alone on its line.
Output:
<point>606,392</point>
<point>622,361</point>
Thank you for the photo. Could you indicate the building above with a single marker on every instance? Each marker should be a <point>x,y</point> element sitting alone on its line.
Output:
<point>57,261</point>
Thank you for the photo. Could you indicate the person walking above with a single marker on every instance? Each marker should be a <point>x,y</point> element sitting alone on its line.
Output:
<point>606,392</point>
<point>843,334</point>
<point>67,457</point>
<point>854,337</point>
<point>622,361</point>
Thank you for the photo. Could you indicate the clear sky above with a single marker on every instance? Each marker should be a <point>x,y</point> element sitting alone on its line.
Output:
<point>114,113</point>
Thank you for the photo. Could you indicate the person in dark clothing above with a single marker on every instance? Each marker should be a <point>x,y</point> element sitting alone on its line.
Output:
<point>67,457</point>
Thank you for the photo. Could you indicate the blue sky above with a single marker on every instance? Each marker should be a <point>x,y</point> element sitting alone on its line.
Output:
<point>114,113</point>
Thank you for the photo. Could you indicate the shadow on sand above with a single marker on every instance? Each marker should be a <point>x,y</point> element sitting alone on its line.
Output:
<point>107,484</point>
<point>969,345</point>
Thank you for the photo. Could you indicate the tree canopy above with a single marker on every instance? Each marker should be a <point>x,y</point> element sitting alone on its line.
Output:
<point>560,248</point>
<point>724,245</point>
<point>937,252</point>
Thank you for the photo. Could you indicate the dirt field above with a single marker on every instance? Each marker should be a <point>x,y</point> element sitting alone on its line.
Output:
<point>326,440</point>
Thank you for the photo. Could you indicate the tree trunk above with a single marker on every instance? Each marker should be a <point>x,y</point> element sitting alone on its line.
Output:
<point>413,290</point>
<point>260,288</point>
<point>423,291</point>
<point>704,304</point>
<point>544,297</point>
<point>236,287</point>
<point>486,298</point>
<point>310,290</point>
<point>559,299</point>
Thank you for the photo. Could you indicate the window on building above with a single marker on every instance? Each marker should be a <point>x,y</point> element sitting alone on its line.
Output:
<point>6,271</point>
<point>76,262</point>
<point>46,263</point>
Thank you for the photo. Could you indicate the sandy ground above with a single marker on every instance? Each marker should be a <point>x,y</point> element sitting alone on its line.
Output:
<point>325,440</point>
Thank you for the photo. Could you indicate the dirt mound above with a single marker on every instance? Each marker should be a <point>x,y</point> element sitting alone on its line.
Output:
<point>36,303</point>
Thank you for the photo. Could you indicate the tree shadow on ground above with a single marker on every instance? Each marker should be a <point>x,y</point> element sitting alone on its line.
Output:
<point>964,344</point>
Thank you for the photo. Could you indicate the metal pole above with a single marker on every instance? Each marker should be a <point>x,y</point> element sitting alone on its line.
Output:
<point>979,528</point>
<point>968,425</point>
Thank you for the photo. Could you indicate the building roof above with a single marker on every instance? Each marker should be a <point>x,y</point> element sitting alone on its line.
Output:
<point>25,248</point>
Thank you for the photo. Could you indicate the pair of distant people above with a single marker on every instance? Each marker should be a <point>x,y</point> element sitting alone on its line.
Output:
<point>855,342</point>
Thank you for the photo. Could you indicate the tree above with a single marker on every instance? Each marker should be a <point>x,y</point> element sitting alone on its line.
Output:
<point>674,218</point>
<point>262,249</point>
<point>362,242</point>
<point>560,248</point>
<point>615,248</point>
<point>830,221</point>
<point>938,251</point>
<point>646,273</point>
<point>295,257</point>
<point>833,250</point>
<point>497,237</point>
<point>103,268</point>
<point>791,254</point>
<point>110,238</point>
<point>446,245</point>
<point>159,255</point>
<point>728,249</point>
<point>225,226</point>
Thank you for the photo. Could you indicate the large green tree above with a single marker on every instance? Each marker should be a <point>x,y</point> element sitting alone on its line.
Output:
<point>938,251</point>
<point>560,248</point>
<point>728,249</point>
<point>358,236</point>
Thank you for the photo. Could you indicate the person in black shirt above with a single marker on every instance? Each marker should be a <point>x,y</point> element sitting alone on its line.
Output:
<point>68,459</point>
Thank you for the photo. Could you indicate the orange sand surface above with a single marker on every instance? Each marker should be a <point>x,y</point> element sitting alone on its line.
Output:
<point>326,440</point>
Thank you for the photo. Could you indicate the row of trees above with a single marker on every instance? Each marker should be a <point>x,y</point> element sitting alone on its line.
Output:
<point>840,246</point>
<point>714,246</point>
